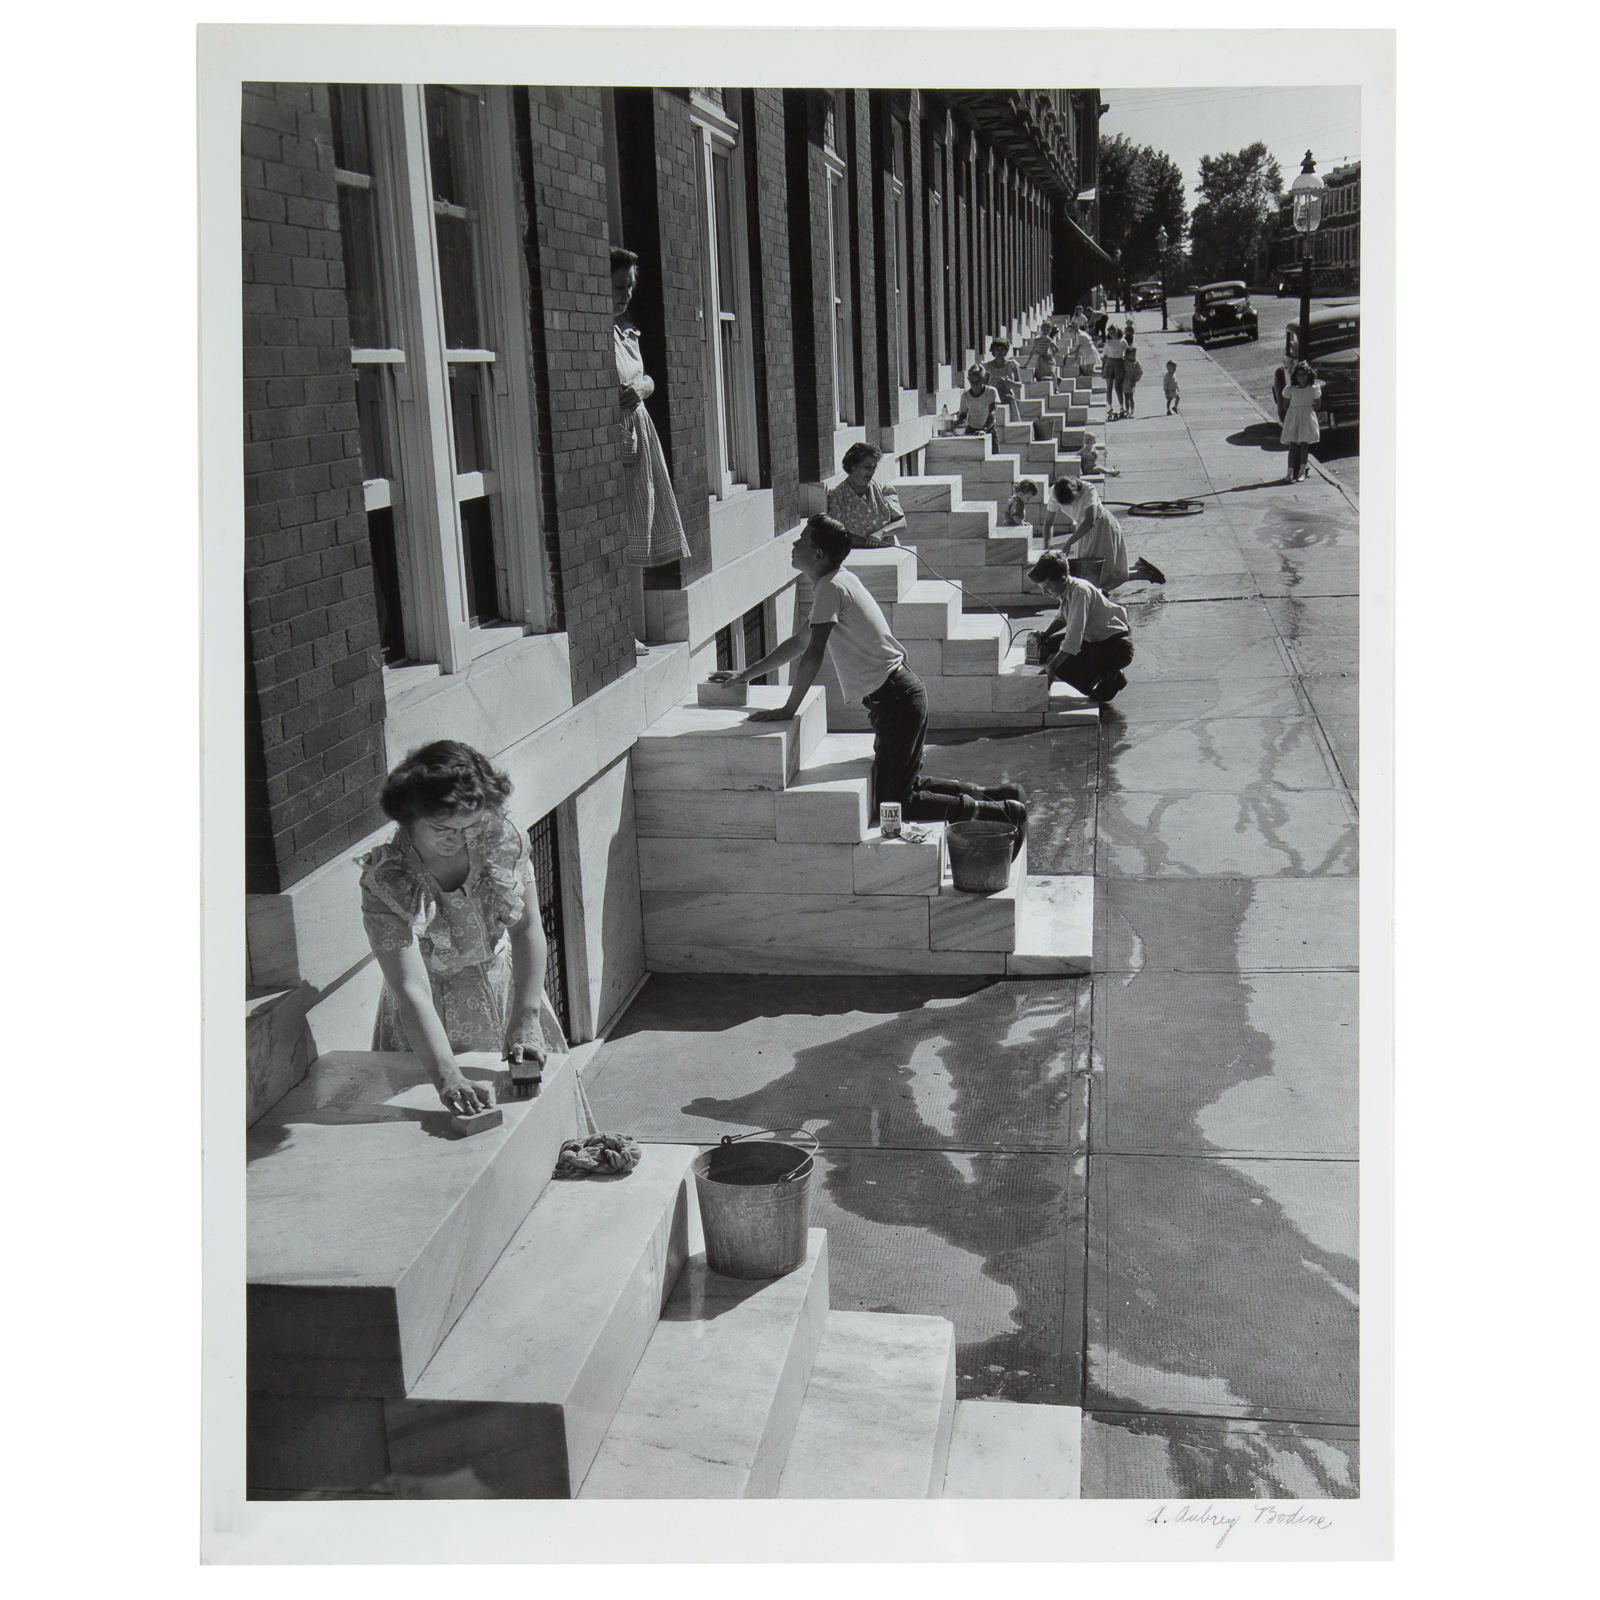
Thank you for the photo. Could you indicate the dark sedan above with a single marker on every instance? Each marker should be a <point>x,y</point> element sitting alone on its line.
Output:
<point>1223,311</point>
<point>1335,356</point>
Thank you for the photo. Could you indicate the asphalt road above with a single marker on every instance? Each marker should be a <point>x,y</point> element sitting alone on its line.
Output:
<point>1251,365</point>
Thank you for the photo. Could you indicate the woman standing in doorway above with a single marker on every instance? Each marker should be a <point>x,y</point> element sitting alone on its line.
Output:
<point>650,509</point>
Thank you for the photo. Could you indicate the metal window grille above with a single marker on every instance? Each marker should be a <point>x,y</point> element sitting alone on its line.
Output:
<point>725,662</point>
<point>544,844</point>
<point>754,624</point>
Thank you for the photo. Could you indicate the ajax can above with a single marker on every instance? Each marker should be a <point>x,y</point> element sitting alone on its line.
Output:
<point>889,819</point>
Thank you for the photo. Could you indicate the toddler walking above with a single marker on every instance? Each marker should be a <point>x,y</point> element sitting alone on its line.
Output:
<point>1169,387</point>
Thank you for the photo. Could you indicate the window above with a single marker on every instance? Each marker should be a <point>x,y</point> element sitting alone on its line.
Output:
<point>744,642</point>
<point>844,343</point>
<point>938,264</point>
<point>897,262</point>
<point>725,285</point>
<point>429,226</point>
<point>544,843</point>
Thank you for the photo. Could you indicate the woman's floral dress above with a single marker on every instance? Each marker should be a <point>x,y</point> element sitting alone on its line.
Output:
<point>463,934</point>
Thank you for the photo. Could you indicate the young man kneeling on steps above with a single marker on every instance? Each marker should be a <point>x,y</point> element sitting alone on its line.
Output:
<point>1089,638</point>
<point>871,667</point>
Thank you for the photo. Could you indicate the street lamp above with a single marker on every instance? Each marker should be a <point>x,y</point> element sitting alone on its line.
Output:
<point>1161,251</point>
<point>1306,194</point>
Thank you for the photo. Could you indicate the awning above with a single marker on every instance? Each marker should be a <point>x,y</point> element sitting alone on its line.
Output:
<point>1090,248</point>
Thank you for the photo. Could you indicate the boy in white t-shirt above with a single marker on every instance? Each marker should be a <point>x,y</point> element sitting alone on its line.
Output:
<point>870,663</point>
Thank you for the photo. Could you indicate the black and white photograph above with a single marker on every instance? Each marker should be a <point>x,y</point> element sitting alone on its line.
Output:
<point>799,809</point>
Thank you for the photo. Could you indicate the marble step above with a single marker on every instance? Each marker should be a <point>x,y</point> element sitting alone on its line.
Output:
<point>961,920</point>
<point>929,610</point>
<point>829,799</point>
<point>958,700</point>
<point>960,558</point>
<point>521,1392</point>
<point>931,491</point>
<point>369,1226</point>
<point>873,866</point>
<point>974,521</point>
<point>715,1399</point>
<point>1069,709</point>
<point>702,748</point>
<point>878,1411</point>
<point>1055,928</point>
<point>1000,1450</point>
<point>829,960</point>
<point>886,573</point>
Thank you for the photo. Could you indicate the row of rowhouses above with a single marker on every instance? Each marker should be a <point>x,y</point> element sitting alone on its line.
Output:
<point>1336,261</point>
<point>435,541</point>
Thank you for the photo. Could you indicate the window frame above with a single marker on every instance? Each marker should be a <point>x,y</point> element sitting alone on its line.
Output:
<point>733,453</point>
<point>426,494</point>
<point>841,301</point>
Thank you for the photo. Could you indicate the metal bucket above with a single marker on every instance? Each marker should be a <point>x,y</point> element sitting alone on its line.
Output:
<point>980,855</point>
<point>755,1202</point>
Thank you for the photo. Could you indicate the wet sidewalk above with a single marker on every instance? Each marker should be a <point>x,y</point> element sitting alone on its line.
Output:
<point>1136,1192</point>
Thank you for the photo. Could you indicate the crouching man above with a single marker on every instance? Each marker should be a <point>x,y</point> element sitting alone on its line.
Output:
<point>871,667</point>
<point>1089,642</point>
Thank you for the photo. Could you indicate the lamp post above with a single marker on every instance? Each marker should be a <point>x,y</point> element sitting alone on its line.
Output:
<point>1306,193</point>
<point>1161,251</point>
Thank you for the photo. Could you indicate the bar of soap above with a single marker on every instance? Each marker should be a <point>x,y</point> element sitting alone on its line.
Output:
<point>721,695</point>
<point>478,1121</point>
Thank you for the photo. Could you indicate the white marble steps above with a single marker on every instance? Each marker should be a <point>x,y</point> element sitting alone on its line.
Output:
<point>1000,1450</point>
<point>878,1411</point>
<point>369,1227</point>
<point>699,747</point>
<point>518,1398</point>
<point>716,1397</point>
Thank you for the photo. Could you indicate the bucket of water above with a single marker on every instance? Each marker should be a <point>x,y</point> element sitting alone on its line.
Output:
<point>980,855</point>
<point>755,1202</point>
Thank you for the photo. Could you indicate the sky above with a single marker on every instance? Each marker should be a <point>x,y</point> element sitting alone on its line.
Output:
<point>1194,122</point>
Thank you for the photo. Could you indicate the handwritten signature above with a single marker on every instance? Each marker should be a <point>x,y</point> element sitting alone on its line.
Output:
<point>1265,1516</point>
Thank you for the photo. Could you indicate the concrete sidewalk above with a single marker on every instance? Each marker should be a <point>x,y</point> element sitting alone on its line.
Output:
<point>1133,1193</point>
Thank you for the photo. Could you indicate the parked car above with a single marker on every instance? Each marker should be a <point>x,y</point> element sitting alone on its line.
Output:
<point>1223,310</point>
<point>1146,294</point>
<point>1335,356</point>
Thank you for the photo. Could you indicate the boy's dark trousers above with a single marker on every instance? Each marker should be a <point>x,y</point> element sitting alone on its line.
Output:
<point>1096,662</point>
<point>898,712</point>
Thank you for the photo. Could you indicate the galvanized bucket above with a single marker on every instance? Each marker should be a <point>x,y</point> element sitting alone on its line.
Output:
<point>755,1202</point>
<point>980,855</point>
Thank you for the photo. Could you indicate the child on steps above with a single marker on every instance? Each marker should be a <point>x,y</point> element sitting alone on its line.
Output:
<point>976,413</point>
<point>871,667</point>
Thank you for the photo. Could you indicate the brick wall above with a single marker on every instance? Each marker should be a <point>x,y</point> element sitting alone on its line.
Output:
<point>806,183</point>
<point>314,685</point>
<point>776,298</point>
<point>682,375</point>
<point>568,251</point>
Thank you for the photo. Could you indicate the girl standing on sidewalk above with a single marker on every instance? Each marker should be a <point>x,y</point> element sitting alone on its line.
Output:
<point>1132,372</point>
<point>1300,429</point>
<point>1116,346</point>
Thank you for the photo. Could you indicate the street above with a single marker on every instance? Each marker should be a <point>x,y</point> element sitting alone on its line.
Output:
<point>1251,364</point>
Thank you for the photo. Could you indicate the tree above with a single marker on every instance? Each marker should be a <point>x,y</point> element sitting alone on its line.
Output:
<point>1237,213</point>
<point>1141,192</point>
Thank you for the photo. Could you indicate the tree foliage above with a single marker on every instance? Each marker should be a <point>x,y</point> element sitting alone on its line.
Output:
<point>1237,213</point>
<point>1141,192</point>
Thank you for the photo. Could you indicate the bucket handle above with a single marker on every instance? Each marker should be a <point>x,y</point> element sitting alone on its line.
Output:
<point>772,1133</point>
